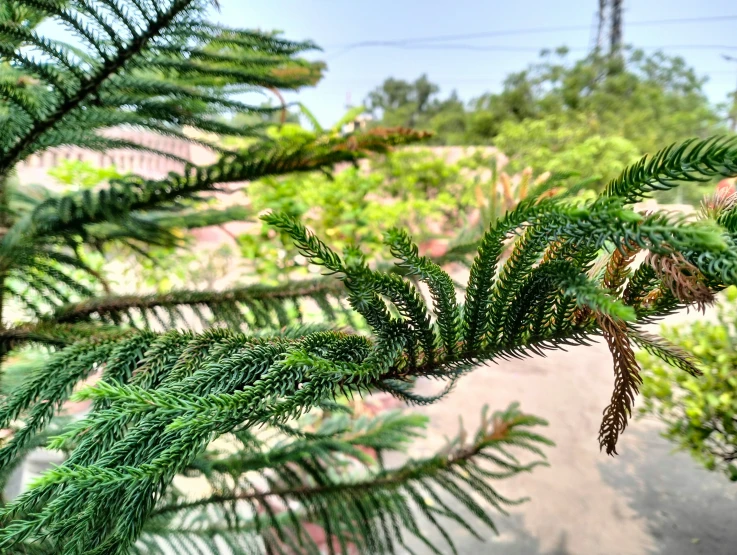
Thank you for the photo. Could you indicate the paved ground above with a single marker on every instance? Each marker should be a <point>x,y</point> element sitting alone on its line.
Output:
<point>645,501</point>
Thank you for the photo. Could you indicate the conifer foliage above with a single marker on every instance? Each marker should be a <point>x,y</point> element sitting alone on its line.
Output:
<point>157,66</point>
<point>165,396</point>
<point>224,403</point>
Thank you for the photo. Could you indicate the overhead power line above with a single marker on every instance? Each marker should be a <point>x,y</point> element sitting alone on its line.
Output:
<point>524,31</point>
<point>507,48</point>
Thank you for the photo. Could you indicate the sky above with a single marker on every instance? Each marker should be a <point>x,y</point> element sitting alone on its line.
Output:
<point>472,66</point>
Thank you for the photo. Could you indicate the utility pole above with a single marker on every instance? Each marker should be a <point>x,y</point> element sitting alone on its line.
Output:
<point>609,26</point>
<point>615,33</point>
<point>602,18</point>
<point>733,110</point>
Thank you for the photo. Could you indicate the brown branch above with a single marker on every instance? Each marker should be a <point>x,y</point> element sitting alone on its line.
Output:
<point>683,279</point>
<point>626,383</point>
<point>617,268</point>
<point>51,334</point>
<point>410,472</point>
<point>114,304</point>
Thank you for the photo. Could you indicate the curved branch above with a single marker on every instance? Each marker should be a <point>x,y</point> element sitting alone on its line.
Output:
<point>104,306</point>
<point>51,334</point>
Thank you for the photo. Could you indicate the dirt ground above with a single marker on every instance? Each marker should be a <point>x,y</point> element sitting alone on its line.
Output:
<point>645,501</point>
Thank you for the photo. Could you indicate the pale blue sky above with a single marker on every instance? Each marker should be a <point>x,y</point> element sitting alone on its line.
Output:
<point>334,24</point>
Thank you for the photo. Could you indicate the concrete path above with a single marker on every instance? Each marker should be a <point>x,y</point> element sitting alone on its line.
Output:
<point>645,501</point>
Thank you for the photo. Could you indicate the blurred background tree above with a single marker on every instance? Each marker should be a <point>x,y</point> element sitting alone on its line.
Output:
<point>699,412</point>
<point>597,112</point>
<point>649,99</point>
<point>416,189</point>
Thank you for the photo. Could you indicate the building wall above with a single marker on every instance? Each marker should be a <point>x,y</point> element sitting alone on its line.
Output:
<point>152,166</point>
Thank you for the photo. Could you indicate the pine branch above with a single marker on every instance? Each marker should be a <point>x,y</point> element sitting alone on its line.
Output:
<point>456,471</point>
<point>664,350</point>
<point>70,213</point>
<point>167,396</point>
<point>92,82</point>
<point>477,304</point>
<point>682,279</point>
<point>161,228</point>
<point>160,69</point>
<point>46,392</point>
<point>693,161</point>
<point>441,287</point>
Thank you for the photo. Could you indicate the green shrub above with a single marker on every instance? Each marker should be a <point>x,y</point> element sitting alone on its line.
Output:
<point>73,175</point>
<point>562,143</point>
<point>700,412</point>
<point>414,189</point>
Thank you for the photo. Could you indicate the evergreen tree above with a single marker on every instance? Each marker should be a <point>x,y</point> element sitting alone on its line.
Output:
<point>166,394</point>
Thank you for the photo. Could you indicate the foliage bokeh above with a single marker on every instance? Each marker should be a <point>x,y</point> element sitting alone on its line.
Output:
<point>415,189</point>
<point>699,412</point>
<point>594,115</point>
